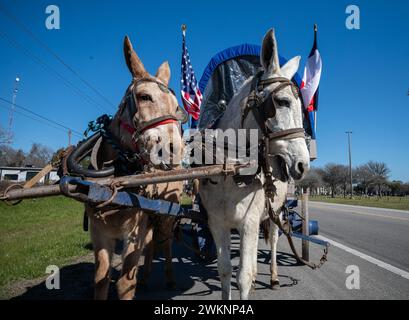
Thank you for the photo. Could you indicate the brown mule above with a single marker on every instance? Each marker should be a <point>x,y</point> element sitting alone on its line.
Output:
<point>160,236</point>
<point>138,127</point>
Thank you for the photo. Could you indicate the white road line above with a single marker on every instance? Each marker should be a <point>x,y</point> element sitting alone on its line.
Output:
<point>364,256</point>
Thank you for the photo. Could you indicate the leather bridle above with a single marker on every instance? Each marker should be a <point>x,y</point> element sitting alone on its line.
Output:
<point>126,157</point>
<point>138,126</point>
<point>264,107</point>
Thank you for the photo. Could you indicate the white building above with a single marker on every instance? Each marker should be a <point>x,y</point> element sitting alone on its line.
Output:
<point>22,174</point>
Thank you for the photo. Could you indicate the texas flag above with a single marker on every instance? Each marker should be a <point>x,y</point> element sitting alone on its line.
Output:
<point>310,82</point>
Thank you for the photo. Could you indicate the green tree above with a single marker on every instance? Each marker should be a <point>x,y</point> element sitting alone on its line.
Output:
<point>396,187</point>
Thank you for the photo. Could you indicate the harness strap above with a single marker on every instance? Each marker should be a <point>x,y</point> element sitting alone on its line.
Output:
<point>127,127</point>
<point>287,134</point>
<point>156,122</point>
<point>286,229</point>
<point>256,101</point>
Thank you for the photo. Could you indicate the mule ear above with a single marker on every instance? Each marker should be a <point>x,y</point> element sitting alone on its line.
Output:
<point>163,73</point>
<point>133,62</point>
<point>291,67</point>
<point>269,52</point>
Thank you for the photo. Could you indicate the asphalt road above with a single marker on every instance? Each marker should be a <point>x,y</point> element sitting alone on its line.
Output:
<point>380,233</point>
<point>374,240</point>
<point>381,236</point>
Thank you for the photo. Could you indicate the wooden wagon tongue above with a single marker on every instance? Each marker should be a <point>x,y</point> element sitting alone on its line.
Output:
<point>74,186</point>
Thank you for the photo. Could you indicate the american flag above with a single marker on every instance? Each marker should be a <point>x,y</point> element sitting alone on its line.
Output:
<point>191,95</point>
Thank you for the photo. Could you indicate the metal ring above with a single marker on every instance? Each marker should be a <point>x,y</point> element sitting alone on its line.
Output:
<point>8,202</point>
<point>114,188</point>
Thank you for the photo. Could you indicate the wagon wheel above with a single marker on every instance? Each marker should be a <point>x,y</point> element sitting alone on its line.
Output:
<point>8,202</point>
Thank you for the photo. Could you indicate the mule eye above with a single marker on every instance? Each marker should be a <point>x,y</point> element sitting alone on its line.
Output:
<point>282,102</point>
<point>145,97</point>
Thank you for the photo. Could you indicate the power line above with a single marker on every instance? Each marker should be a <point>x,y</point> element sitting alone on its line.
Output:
<point>38,120</point>
<point>46,47</point>
<point>52,71</point>
<point>42,117</point>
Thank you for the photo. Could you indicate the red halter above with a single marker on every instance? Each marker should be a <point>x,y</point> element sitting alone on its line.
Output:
<point>159,123</point>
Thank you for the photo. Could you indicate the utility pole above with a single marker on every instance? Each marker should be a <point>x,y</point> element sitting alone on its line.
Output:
<point>305,225</point>
<point>350,161</point>
<point>11,115</point>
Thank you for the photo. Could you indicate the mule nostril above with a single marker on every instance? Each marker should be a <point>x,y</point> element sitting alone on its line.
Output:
<point>159,139</point>
<point>171,148</point>
<point>300,167</point>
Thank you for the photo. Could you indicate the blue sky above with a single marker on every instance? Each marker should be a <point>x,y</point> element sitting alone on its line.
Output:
<point>364,85</point>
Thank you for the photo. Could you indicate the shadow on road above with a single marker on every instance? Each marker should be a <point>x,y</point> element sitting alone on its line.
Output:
<point>76,282</point>
<point>193,278</point>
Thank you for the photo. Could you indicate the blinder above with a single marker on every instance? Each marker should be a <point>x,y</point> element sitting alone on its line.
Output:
<point>267,107</point>
<point>264,106</point>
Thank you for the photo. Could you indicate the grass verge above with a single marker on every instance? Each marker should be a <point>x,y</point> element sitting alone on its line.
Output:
<point>38,233</point>
<point>401,203</point>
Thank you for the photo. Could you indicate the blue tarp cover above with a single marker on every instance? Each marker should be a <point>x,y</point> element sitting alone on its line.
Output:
<point>224,76</point>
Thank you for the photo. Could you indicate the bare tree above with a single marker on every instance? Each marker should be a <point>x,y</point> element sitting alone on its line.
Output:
<point>11,157</point>
<point>334,176</point>
<point>4,138</point>
<point>38,155</point>
<point>6,153</point>
<point>363,177</point>
<point>344,179</point>
<point>379,172</point>
<point>18,159</point>
<point>312,180</point>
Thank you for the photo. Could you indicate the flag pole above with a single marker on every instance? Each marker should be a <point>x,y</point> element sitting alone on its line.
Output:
<point>315,112</point>
<point>183,27</point>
